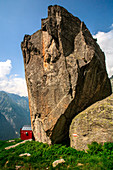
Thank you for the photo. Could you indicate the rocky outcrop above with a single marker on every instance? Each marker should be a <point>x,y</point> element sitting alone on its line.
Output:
<point>93,124</point>
<point>65,73</point>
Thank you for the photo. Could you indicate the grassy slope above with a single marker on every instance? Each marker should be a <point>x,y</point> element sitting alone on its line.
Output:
<point>43,155</point>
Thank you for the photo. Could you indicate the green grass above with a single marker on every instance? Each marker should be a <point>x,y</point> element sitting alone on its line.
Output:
<point>98,157</point>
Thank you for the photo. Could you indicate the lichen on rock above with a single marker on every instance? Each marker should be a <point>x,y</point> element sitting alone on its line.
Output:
<point>65,73</point>
<point>93,124</point>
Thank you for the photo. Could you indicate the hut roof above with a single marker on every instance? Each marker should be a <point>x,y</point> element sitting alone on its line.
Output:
<point>26,127</point>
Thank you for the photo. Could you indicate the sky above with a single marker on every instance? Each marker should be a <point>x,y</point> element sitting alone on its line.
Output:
<point>20,17</point>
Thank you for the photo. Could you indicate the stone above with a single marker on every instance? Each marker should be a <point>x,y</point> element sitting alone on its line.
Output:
<point>65,73</point>
<point>13,146</point>
<point>11,141</point>
<point>55,163</point>
<point>6,163</point>
<point>18,167</point>
<point>80,164</point>
<point>95,124</point>
<point>25,154</point>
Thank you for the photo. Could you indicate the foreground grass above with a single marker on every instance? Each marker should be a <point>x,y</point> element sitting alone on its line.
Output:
<point>98,157</point>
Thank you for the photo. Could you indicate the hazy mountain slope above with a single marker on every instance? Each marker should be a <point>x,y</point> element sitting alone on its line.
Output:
<point>14,113</point>
<point>6,130</point>
<point>22,101</point>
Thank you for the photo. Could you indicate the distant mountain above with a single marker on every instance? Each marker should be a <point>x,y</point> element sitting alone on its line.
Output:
<point>14,113</point>
<point>111,79</point>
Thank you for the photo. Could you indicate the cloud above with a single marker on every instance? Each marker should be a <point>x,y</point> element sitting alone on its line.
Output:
<point>105,40</point>
<point>5,68</point>
<point>111,26</point>
<point>11,83</point>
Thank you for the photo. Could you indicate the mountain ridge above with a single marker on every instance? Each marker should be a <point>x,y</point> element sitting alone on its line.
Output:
<point>14,113</point>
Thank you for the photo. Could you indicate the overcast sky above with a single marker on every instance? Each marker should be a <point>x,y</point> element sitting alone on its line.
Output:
<point>20,17</point>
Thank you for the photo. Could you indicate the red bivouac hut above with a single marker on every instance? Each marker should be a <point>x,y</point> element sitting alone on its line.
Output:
<point>26,132</point>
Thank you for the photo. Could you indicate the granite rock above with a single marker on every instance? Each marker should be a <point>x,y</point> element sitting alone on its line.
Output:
<point>65,73</point>
<point>95,124</point>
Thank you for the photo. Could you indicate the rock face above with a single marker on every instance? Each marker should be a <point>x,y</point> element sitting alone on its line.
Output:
<point>111,80</point>
<point>93,124</point>
<point>65,73</point>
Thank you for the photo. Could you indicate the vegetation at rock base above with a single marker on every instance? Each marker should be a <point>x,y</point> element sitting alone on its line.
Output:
<point>42,156</point>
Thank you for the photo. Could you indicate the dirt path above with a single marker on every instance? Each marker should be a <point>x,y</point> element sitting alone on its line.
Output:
<point>13,146</point>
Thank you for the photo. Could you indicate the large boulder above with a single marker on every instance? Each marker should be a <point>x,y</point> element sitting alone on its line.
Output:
<point>65,73</point>
<point>111,80</point>
<point>93,124</point>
